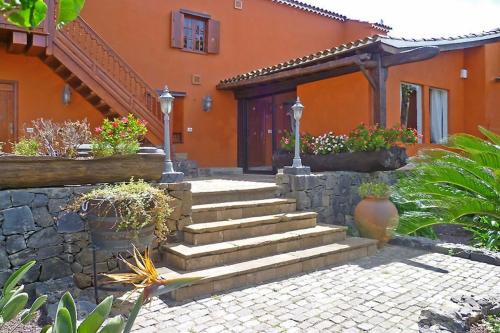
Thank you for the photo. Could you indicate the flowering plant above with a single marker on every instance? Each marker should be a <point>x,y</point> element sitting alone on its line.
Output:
<point>374,138</point>
<point>330,144</point>
<point>119,136</point>
<point>287,142</point>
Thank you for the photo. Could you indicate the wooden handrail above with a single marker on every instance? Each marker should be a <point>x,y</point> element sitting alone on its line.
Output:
<point>89,52</point>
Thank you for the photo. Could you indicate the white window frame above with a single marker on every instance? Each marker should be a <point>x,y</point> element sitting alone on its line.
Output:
<point>418,88</point>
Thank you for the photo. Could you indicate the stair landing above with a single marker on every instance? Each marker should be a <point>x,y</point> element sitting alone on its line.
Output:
<point>243,235</point>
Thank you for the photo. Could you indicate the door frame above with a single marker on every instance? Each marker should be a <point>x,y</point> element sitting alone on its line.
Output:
<point>242,131</point>
<point>15,84</point>
<point>419,97</point>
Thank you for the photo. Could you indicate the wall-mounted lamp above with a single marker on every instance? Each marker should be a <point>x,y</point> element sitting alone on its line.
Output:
<point>207,103</point>
<point>66,95</point>
<point>464,73</point>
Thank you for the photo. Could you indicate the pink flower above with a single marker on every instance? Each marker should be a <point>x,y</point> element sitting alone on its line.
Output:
<point>125,120</point>
<point>98,130</point>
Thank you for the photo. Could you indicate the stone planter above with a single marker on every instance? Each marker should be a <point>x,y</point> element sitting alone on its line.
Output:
<point>383,160</point>
<point>44,171</point>
<point>103,222</point>
<point>376,218</point>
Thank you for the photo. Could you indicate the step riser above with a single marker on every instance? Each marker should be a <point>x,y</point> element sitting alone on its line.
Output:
<point>208,198</point>
<point>253,231</point>
<point>274,273</point>
<point>238,213</point>
<point>253,252</point>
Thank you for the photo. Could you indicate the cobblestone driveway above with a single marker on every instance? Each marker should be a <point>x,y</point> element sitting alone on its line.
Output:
<point>383,293</point>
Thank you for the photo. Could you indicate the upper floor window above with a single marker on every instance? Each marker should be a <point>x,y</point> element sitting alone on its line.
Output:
<point>195,32</point>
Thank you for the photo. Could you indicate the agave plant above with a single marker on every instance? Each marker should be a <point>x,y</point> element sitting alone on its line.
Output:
<point>144,276</point>
<point>13,300</point>
<point>458,186</point>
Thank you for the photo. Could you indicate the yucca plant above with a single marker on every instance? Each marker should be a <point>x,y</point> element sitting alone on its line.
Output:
<point>454,187</point>
<point>144,276</point>
<point>13,300</point>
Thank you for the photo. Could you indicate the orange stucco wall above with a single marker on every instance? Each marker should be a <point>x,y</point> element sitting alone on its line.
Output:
<point>339,104</point>
<point>261,34</point>
<point>40,92</point>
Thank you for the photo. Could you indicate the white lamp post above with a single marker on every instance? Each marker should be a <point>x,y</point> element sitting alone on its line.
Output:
<point>297,168</point>
<point>167,104</point>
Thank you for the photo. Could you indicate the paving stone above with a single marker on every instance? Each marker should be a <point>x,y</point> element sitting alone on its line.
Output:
<point>381,293</point>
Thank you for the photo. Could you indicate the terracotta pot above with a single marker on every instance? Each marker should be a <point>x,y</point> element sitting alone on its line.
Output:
<point>102,222</point>
<point>376,218</point>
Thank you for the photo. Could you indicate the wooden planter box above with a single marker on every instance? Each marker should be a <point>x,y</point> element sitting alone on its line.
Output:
<point>382,160</point>
<point>44,171</point>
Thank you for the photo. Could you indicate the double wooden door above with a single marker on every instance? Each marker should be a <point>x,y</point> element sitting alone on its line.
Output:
<point>266,119</point>
<point>8,110</point>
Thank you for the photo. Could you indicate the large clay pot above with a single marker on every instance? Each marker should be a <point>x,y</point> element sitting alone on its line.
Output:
<point>102,222</point>
<point>376,218</point>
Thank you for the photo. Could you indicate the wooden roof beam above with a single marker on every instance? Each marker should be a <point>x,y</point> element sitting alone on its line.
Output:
<point>364,58</point>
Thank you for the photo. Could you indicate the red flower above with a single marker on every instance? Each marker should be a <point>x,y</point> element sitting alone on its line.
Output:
<point>98,130</point>
<point>122,134</point>
<point>115,124</point>
<point>110,133</point>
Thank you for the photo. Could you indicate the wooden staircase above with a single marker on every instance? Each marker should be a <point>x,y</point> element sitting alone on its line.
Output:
<point>247,236</point>
<point>91,67</point>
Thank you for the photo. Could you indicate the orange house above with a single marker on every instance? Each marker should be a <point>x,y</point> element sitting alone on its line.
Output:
<point>111,64</point>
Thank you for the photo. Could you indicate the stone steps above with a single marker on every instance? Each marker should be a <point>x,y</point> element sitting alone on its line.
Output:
<point>218,279</point>
<point>228,230</point>
<point>241,209</point>
<point>189,257</point>
<point>263,191</point>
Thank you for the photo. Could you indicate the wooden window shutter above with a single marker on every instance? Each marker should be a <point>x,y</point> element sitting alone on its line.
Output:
<point>213,36</point>
<point>177,29</point>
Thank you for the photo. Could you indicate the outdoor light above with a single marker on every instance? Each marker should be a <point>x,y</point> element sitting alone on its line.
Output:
<point>66,95</point>
<point>297,168</point>
<point>167,103</point>
<point>464,73</point>
<point>207,103</point>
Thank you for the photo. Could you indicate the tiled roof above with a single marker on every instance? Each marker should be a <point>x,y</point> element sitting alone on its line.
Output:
<point>304,61</point>
<point>327,13</point>
<point>312,9</point>
<point>399,43</point>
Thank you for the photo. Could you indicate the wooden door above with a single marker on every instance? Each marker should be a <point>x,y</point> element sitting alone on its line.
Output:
<point>8,112</point>
<point>259,134</point>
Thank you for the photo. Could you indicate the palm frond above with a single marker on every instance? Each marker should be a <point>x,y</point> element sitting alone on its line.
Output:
<point>493,137</point>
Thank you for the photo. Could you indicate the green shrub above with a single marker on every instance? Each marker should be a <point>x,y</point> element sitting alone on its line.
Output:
<point>447,187</point>
<point>27,147</point>
<point>374,190</point>
<point>375,138</point>
<point>119,136</point>
<point>136,203</point>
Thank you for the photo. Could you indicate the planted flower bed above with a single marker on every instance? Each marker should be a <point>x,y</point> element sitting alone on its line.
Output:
<point>364,150</point>
<point>51,155</point>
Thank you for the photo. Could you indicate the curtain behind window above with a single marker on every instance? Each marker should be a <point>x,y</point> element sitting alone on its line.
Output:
<point>439,115</point>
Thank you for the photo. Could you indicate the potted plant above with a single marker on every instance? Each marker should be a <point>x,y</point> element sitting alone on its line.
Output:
<point>61,154</point>
<point>375,215</point>
<point>365,149</point>
<point>123,214</point>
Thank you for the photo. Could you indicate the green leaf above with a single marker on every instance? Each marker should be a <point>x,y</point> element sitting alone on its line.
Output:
<point>63,322</point>
<point>490,135</point>
<point>38,13</point>
<point>46,329</point>
<point>114,325</point>
<point>67,303</point>
<point>17,276</point>
<point>69,11</point>
<point>95,319</point>
<point>133,314</point>
<point>37,304</point>
<point>14,306</point>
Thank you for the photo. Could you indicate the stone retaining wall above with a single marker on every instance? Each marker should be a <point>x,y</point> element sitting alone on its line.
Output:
<point>333,195</point>
<point>34,225</point>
